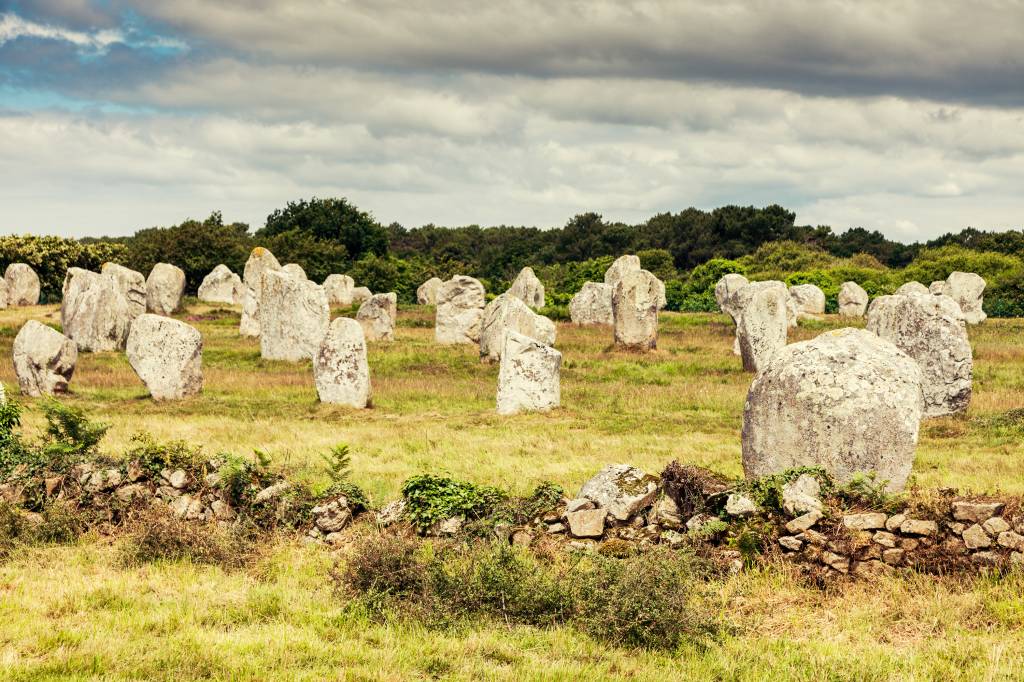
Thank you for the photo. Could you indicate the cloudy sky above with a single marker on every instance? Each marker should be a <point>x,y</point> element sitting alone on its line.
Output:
<point>907,117</point>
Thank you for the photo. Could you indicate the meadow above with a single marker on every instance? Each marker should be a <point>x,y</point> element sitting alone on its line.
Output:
<point>74,612</point>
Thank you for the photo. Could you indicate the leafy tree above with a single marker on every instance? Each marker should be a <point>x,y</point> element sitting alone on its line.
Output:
<point>330,220</point>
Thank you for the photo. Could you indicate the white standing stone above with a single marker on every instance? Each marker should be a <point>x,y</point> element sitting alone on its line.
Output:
<point>460,305</point>
<point>725,288</point>
<point>529,376</point>
<point>938,287</point>
<point>295,270</point>
<point>635,306</point>
<point>339,290</point>
<point>377,317</point>
<point>249,325</point>
<point>809,301</point>
<point>340,368</point>
<point>360,295</point>
<point>622,265</point>
<point>911,288</point>
<point>426,294</point>
<point>592,304</point>
<point>966,288</point>
<point>930,329</point>
<point>260,262</point>
<point>764,321</point>
<point>3,294</point>
<point>131,283</point>
<point>22,285</point>
<point>847,401</point>
<point>94,311</point>
<point>528,288</point>
<point>221,286</point>
<point>164,288</point>
<point>508,312</point>
<point>167,354</point>
<point>44,359</point>
<point>853,300</point>
<point>294,317</point>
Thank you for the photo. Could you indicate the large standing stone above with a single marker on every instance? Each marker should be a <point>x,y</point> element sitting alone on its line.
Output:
<point>911,288</point>
<point>930,329</point>
<point>508,312</point>
<point>621,489</point>
<point>294,317</point>
<point>764,321</point>
<point>529,376</point>
<point>261,261</point>
<point>167,355</point>
<point>44,359</point>
<point>966,289</point>
<point>846,401</point>
<point>528,288</point>
<point>635,310</point>
<point>94,311</point>
<point>22,285</point>
<point>592,304</point>
<point>426,294</point>
<point>339,290</point>
<point>3,294</point>
<point>377,317</point>
<point>131,283</point>
<point>460,305</point>
<point>853,300</point>
<point>725,288</point>
<point>340,369</point>
<point>164,288</point>
<point>295,270</point>
<point>809,301</point>
<point>221,286</point>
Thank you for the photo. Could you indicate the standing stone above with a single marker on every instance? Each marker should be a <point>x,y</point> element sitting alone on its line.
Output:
<point>3,294</point>
<point>44,359</point>
<point>725,288</point>
<point>164,288</point>
<point>131,283</point>
<point>508,312</point>
<point>94,311</point>
<point>295,270</point>
<point>936,288</point>
<point>426,294</point>
<point>167,355</point>
<point>460,305</point>
<point>930,329</point>
<point>911,288</point>
<point>846,401</point>
<point>592,305</point>
<point>622,265</point>
<point>377,317</point>
<point>966,289</point>
<point>764,322</point>
<point>261,261</point>
<point>360,295</point>
<point>294,317</point>
<point>340,369</point>
<point>528,379</point>
<point>635,310</point>
<point>221,286</point>
<point>22,285</point>
<point>809,301</point>
<point>528,288</point>
<point>853,300</point>
<point>339,290</point>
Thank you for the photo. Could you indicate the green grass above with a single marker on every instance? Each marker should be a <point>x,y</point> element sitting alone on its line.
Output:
<point>78,613</point>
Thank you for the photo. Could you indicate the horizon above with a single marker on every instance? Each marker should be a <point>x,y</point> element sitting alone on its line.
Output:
<point>117,116</point>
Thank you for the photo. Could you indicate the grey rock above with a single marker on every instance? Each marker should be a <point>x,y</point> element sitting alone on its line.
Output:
<point>295,270</point>
<point>976,512</point>
<point>791,543</point>
<point>294,317</point>
<point>885,539</point>
<point>167,355</point>
<point>995,526</point>
<point>44,360</point>
<point>853,300</point>
<point>221,286</point>
<point>333,516</point>
<point>801,495</point>
<point>592,304</point>
<point>339,290</point>
<point>22,285</point>
<point>919,527</point>
<point>865,521</point>
<point>508,313</point>
<point>635,305</point>
<point>460,307</point>
<point>94,312</point>
<point>912,289</point>
<point>165,287</point>
<point>377,315</point>
<point>529,378</point>
<point>271,493</point>
<point>763,323</point>
<point>666,513</point>
<point>528,288</point>
<point>426,294</point>
<point>804,522</point>
<point>740,506</point>
<point>809,301</point>
<point>1011,540</point>
<point>579,504</point>
<point>341,371</point>
<point>131,283</point>
<point>391,513</point>
<point>966,288</point>
<point>621,489</point>
<point>724,290</point>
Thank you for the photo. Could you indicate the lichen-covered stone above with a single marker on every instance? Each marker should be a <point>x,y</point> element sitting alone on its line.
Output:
<point>260,262</point>
<point>911,288</point>
<point>621,489</point>
<point>966,288</point>
<point>94,311</point>
<point>635,304</point>
<point>460,305</point>
<point>847,401</point>
<point>724,290</point>
<point>529,376</point>
<point>929,329</point>
<point>377,317</point>
<point>618,269</point>
<point>528,288</point>
<point>221,286</point>
<point>164,288</point>
<point>167,354</point>
<point>508,312</point>
<point>592,304</point>
<point>426,293</point>
<point>853,300</point>
<point>295,270</point>
<point>294,317</point>
<point>339,290</point>
<point>809,301</point>
<point>22,284</point>
<point>763,324</point>
<point>131,283</point>
<point>44,359</point>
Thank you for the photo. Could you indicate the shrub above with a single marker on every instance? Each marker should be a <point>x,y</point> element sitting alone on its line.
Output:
<point>338,464</point>
<point>51,257</point>
<point>430,499</point>
<point>155,534</point>
<point>154,457</point>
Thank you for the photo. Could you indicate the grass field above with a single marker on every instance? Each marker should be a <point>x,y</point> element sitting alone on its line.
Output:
<point>75,613</point>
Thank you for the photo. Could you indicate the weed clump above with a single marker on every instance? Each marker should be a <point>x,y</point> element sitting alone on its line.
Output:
<point>157,534</point>
<point>430,499</point>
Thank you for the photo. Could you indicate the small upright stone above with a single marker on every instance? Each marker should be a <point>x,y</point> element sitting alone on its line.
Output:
<point>164,288</point>
<point>339,290</point>
<point>167,354</point>
<point>22,285</point>
<point>294,317</point>
<point>853,300</point>
<point>377,317</point>
<point>426,294</point>
<point>592,304</point>
<point>44,360</point>
<point>809,301</point>
<point>131,283</point>
<point>295,270</point>
<point>221,286</point>
<point>763,325</point>
<point>966,288</point>
<point>340,368</point>
<point>911,288</point>
<point>94,312</point>
<point>529,376</point>
<point>460,305</point>
<point>725,288</point>
<point>635,305</point>
<point>508,312</point>
<point>528,288</point>
<point>261,261</point>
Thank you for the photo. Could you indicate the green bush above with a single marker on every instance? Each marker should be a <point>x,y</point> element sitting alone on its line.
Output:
<point>51,257</point>
<point>430,499</point>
